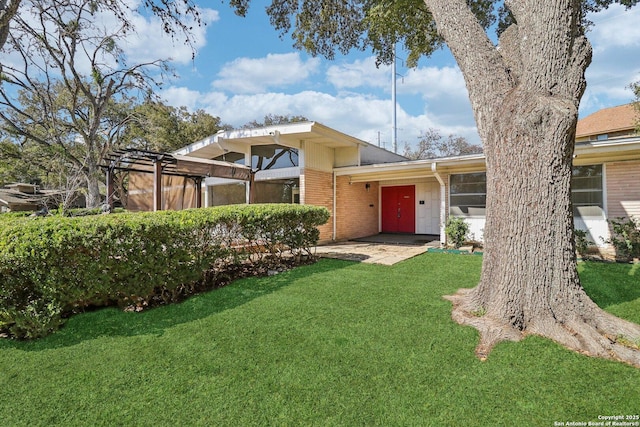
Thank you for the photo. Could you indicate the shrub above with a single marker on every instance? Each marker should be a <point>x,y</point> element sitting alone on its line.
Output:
<point>625,237</point>
<point>456,230</point>
<point>54,266</point>
<point>582,243</point>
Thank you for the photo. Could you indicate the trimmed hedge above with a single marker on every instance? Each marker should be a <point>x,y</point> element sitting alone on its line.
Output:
<point>54,266</point>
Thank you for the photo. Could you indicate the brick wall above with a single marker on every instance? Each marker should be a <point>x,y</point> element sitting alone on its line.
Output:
<point>316,188</point>
<point>356,209</point>
<point>623,189</point>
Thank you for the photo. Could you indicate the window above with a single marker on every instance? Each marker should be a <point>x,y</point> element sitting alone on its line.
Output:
<point>277,191</point>
<point>468,194</point>
<point>265,157</point>
<point>586,191</point>
<point>227,194</point>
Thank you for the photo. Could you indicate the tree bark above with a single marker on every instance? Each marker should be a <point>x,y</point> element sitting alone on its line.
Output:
<point>525,95</point>
<point>8,9</point>
<point>94,199</point>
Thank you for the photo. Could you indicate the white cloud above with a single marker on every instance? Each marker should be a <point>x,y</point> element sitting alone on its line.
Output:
<point>615,27</point>
<point>253,75</point>
<point>434,82</point>
<point>149,42</point>
<point>363,116</point>
<point>615,38</point>
<point>359,73</point>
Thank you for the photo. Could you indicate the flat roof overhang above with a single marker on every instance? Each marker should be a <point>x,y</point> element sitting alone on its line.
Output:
<point>610,150</point>
<point>288,135</point>
<point>414,169</point>
<point>585,153</point>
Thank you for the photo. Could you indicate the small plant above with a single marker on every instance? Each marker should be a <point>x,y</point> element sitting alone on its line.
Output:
<point>479,312</point>
<point>625,237</point>
<point>582,243</point>
<point>621,339</point>
<point>456,230</point>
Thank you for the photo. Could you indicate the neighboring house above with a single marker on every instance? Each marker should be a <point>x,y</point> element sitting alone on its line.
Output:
<point>20,197</point>
<point>609,123</point>
<point>369,190</point>
<point>28,197</point>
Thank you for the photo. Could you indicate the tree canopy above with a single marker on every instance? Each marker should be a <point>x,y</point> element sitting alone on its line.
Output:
<point>159,127</point>
<point>71,89</point>
<point>274,119</point>
<point>326,27</point>
<point>432,144</point>
<point>171,13</point>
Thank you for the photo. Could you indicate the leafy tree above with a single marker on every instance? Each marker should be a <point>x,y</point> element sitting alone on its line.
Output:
<point>159,127</point>
<point>432,145</point>
<point>27,163</point>
<point>73,90</point>
<point>171,13</point>
<point>274,119</point>
<point>524,91</point>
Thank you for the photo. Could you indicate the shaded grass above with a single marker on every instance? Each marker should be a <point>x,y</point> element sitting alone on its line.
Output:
<point>335,343</point>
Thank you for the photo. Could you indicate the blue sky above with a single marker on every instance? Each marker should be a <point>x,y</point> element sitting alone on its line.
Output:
<point>243,70</point>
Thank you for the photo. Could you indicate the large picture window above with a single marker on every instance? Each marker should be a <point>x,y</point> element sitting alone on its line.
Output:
<point>586,191</point>
<point>468,194</point>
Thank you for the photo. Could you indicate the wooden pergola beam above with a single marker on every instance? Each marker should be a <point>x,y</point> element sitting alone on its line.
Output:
<point>160,164</point>
<point>157,186</point>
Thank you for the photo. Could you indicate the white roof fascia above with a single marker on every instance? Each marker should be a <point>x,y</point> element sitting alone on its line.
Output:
<point>320,129</point>
<point>411,164</point>
<point>609,145</point>
<point>213,139</point>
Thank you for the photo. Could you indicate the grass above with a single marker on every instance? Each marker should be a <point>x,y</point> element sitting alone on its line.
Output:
<point>335,343</point>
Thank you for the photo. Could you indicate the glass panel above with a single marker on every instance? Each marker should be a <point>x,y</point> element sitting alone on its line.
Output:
<point>469,183</point>
<point>231,157</point>
<point>587,198</point>
<point>586,191</point>
<point>265,157</point>
<point>587,183</point>
<point>276,191</point>
<point>228,194</point>
<point>468,194</point>
<point>477,200</point>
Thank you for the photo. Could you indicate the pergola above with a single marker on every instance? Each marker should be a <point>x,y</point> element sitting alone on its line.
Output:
<point>159,164</point>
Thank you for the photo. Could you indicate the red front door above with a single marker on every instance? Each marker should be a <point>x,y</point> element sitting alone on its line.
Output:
<point>399,209</point>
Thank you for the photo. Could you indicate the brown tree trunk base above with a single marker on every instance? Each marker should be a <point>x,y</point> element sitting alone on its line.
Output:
<point>594,332</point>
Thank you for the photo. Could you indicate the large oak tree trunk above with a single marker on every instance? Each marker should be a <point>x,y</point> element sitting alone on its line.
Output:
<point>525,96</point>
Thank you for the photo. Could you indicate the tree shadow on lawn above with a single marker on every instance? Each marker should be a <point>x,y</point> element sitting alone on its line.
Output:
<point>610,283</point>
<point>113,322</point>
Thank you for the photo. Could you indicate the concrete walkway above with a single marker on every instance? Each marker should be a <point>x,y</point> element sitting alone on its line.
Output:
<point>374,252</point>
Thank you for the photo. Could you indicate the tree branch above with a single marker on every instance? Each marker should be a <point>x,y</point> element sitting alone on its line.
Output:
<point>479,60</point>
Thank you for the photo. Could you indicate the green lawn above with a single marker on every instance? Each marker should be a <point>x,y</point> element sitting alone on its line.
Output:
<point>335,343</point>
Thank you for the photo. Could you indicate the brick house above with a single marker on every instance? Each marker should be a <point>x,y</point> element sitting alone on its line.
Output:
<point>369,190</point>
